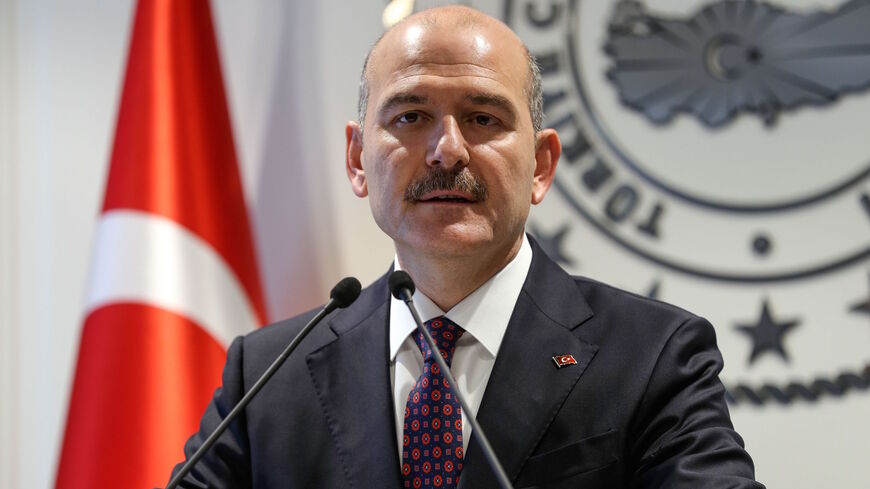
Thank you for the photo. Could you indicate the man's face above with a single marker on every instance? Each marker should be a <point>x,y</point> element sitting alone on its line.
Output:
<point>448,152</point>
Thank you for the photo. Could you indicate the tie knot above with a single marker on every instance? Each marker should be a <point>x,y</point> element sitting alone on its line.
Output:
<point>445,333</point>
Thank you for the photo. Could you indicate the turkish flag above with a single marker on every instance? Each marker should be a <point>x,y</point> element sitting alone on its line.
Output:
<point>174,276</point>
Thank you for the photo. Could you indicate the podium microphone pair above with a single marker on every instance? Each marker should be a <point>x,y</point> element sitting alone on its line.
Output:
<point>342,295</point>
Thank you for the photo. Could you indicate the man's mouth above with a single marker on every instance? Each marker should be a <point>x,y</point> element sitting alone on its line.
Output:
<point>448,197</point>
<point>447,187</point>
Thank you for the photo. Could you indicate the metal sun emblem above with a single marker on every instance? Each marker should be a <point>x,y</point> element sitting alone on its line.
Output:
<point>737,56</point>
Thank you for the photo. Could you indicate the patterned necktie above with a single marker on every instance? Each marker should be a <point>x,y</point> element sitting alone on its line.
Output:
<point>432,440</point>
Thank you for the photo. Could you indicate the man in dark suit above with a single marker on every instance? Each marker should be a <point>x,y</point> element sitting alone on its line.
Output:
<point>576,384</point>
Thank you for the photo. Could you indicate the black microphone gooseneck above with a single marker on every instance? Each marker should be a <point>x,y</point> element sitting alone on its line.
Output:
<point>341,296</point>
<point>402,288</point>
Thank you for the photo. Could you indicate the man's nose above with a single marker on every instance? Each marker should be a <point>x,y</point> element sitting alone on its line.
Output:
<point>448,147</point>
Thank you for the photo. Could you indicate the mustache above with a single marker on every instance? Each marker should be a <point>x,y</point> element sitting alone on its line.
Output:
<point>458,179</point>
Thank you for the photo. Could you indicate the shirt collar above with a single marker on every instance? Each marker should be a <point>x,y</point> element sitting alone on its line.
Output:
<point>484,313</point>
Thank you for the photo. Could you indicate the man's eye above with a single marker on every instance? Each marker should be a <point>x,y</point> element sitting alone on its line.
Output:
<point>484,120</point>
<point>409,118</point>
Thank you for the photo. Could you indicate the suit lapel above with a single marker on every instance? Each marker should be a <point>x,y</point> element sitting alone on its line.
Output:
<point>526,389</point>
<point>359,409</point>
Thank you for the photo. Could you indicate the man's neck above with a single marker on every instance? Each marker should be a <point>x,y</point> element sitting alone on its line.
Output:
<point>446,280</point>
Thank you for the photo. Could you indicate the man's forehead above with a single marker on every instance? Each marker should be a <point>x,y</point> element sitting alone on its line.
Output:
<point>442,44</point>
<point>449,44</point>
<point>451,18</point>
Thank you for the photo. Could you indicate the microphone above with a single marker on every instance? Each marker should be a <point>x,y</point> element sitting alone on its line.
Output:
<point>342,295</point>
<point>402,288</point>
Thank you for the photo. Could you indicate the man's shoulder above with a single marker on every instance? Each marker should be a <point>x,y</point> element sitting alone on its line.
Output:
<point>268,342</point>
<point>608,296</point>
<point>550,279</point>
<point>605,310</point>
<point>284,329</point>
<point>618,313</point>
<point>275,336</point>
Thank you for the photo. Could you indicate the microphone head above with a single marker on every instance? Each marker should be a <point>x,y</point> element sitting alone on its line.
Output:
<point>345,292</point>
<point>399,282</point>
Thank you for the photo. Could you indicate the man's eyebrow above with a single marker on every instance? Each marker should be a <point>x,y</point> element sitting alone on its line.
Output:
<point>492,100</point>
<point>403,99</point>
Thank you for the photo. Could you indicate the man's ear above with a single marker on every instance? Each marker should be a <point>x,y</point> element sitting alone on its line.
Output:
<point>547,152</point>
<point>353,159</point>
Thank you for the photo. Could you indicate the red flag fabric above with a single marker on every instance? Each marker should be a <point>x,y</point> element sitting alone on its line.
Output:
<point>174,275</point>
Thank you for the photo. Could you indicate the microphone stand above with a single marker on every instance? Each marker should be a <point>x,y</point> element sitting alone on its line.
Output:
<point>342,295</point>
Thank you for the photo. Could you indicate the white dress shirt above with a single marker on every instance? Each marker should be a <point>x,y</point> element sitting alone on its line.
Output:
<point>484,316</point>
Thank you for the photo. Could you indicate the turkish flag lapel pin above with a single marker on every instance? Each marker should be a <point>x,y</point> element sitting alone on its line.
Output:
<point>564,360</point>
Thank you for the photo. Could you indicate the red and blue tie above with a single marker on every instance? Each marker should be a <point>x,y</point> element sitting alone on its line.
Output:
<point>432,440</point>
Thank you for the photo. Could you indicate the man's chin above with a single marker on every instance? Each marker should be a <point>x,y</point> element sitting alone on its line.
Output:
<point>456,240</point>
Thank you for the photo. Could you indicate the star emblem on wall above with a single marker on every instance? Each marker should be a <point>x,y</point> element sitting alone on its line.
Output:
<point>767,333</point>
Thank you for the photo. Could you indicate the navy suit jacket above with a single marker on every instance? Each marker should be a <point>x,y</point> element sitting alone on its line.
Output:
<point>642,408</point>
